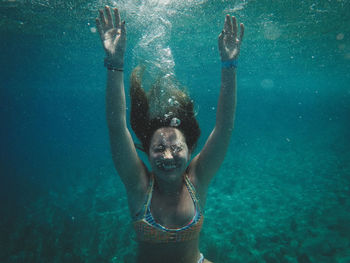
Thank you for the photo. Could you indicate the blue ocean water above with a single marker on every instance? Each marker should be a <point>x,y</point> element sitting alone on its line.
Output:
<point>282,194</point>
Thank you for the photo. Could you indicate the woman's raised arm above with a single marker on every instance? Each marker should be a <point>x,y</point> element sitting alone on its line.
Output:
<point>126,160</point>
<point>208,161</point>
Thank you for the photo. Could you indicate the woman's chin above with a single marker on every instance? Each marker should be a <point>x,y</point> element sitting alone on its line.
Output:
<point>170,173</point>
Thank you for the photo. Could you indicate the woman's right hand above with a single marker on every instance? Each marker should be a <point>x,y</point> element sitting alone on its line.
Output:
<point>229,43</point>
<point>113,37</point>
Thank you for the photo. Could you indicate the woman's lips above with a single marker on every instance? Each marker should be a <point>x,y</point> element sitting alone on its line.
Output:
<point>166,166</point>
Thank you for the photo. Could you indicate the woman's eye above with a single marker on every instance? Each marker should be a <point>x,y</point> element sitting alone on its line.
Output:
<point>159,149</point>
<point>176,149</point>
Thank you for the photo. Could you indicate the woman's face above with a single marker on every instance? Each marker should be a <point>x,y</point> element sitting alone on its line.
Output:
<point>168,153</point>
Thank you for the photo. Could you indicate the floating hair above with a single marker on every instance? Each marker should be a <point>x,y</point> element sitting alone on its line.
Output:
<point>159,108</point>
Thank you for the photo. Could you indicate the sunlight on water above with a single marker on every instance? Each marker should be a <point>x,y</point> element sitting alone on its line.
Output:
<point>267,84</point>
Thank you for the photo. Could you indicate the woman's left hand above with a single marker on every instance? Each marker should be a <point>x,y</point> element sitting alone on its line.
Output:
<point>113,36</point>
<point>229,44</point>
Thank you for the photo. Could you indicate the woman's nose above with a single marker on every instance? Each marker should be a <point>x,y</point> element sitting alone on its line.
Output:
<point>168,154</point>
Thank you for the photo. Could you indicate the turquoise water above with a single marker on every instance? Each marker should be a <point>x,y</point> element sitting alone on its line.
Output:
<point>283,192</point>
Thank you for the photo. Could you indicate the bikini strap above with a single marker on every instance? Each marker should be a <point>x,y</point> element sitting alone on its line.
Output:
<point>192,191</point>
<point>148,198</point>
<point>149,194</point>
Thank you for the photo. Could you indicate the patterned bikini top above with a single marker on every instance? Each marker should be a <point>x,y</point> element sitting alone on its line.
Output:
<point>148,230</point>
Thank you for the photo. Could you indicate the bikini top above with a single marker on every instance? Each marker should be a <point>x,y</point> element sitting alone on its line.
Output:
<point>148,230</point>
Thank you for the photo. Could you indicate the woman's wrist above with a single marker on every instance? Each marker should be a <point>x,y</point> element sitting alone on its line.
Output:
<point>114,65</point>
<point>231,63</point>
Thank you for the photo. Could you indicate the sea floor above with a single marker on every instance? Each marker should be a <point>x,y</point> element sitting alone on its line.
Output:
<point>276,198</point>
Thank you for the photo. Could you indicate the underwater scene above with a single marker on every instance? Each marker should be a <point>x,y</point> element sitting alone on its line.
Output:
<point>283,191</point>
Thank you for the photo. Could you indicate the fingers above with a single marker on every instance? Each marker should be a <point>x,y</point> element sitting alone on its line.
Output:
<point>109,16</point>
<point>106,18</point>
<point>122,37</point>
<point>123,30</point>
<point>117,17</point>
<point>231,28</point>
<point>242,33</point>
<point>99,27</point>
<point>102,18</point>
<point>221,41</point>
<point>234,27</point>
<point>228,25</point>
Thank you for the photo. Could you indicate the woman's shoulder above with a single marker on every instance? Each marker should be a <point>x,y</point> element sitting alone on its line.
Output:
<point>138,194</point>
<point>200,188</point>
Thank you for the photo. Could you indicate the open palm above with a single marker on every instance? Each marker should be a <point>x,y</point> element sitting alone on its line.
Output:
<point>113,36</point>
<point>229,44</point>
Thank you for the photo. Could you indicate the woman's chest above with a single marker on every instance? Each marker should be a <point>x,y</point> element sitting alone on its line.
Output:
<point>173,214</point>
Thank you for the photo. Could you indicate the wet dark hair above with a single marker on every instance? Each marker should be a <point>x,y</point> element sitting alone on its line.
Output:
<point>177,111</point>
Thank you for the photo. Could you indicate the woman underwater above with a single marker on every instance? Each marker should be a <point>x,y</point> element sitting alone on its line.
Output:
<point>166,203</point>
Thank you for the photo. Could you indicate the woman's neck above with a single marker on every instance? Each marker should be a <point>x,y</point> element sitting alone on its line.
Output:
<point>171,189</point>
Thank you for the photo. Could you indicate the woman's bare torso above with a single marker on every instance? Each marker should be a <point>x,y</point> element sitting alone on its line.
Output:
<point>169,212</point>
<point>183,252</point>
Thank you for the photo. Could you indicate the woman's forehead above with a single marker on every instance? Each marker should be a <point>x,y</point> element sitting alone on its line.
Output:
<point>166,135</point>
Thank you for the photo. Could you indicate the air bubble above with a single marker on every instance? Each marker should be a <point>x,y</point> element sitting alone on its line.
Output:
<point>271,31</point>
<point>173,102</point>
<point>175,122</point>
<point>267,84</point>
<point>340,36</point>
<point>167,115</point>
